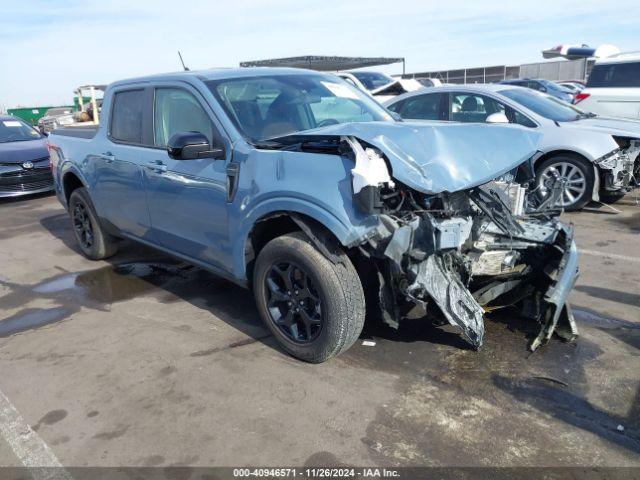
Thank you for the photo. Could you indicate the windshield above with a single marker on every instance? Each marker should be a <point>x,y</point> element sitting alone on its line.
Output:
<point>544,105</point>
<point>14,130</point>
<point>372,80</point>
<point>265,107</point>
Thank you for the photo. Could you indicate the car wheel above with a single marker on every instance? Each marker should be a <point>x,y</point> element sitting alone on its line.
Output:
<point>93,241</point>
<point>576,178</point>
<point>315,308</point>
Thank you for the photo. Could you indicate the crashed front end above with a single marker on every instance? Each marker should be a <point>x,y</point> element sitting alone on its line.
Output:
<point>621,167</point>
<point>454,237</point>
<point>455,257</point>
<point>452,257</point>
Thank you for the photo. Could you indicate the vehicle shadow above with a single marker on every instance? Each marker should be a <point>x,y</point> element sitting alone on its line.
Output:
<point>139,270</point>
<point>26,198</point>
<point>575,410</point>
<point>610,294</point>
<point>413,331</point>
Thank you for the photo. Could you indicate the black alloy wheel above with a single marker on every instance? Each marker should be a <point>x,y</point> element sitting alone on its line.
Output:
<point>293,302</point>
<point>82,225</point>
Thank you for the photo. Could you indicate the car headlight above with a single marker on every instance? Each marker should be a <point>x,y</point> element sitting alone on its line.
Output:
<point>609,161</point>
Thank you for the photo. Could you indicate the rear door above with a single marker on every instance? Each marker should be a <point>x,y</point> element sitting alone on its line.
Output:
<point>187,198</point>
<point>116,170</point>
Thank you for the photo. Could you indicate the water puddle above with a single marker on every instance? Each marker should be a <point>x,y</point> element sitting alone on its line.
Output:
<point>31,318</point>
<point>99,289</point>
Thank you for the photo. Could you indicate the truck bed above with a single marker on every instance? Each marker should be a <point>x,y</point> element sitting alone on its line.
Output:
<point>85,131</point>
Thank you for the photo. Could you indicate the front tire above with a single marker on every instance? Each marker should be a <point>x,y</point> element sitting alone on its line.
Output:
<point>576,176</point>
<point>93,241</point>
<point>315,308</point>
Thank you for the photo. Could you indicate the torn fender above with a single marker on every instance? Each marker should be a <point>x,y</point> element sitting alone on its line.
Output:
<point>559,317</point>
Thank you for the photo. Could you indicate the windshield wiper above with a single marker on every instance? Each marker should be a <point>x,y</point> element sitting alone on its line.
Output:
<point>268,145</point>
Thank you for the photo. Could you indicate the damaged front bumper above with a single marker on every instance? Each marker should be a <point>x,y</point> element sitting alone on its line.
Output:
<point>620,168</point>
<point>457,268</point>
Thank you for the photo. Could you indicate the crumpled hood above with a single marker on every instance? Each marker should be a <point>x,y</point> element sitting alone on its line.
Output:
<point>438,157</point>
<point>18,152</point>
<point>610,125</point>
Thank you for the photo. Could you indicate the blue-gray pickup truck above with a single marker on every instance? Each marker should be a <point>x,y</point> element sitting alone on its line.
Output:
<point>299,186</point>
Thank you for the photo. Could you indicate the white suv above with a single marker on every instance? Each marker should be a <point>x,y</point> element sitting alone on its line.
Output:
<point>613,88</point>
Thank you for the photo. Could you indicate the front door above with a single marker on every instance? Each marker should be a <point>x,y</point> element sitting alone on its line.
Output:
<point>187,198</point>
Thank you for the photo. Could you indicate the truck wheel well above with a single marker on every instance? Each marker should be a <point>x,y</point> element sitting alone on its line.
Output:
<point>278,224</point>
<point>281,223</point>
<point>69,183</point>
<point>560,152</point>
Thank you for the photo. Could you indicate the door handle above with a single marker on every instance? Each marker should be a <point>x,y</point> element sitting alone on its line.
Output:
<point>157,166</point>
<point>108,157</point>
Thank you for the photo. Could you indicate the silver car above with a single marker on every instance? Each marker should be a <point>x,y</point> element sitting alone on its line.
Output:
<point>595,158</point>
<point>55,118</point>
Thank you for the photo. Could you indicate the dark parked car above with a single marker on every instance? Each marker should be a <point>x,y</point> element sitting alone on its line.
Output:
<point>543,85</point>
<point>24,159</point>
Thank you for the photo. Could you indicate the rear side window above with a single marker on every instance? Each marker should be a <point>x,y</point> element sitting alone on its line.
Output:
<point>126,116</point>
<point>615,75</point>
<point>472,108</point>
<point>422,107</point>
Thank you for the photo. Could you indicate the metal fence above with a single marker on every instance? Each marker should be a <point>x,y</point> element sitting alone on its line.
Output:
<point>557,71</point>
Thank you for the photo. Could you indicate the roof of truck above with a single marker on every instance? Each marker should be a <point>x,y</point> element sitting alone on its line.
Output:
<point>218,74</point>
<point>620,58</point>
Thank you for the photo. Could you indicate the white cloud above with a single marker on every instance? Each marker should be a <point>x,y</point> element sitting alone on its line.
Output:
<point>48,48</point>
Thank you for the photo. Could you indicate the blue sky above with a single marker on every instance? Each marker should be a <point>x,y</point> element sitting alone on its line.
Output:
<point>49,47</point>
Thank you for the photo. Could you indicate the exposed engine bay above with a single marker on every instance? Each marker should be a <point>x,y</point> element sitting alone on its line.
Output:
<point>452,257</point>
<point>622,165</point>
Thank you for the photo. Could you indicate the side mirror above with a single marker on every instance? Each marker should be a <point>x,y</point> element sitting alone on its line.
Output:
<point>498,117</point>
<point>191,146</point>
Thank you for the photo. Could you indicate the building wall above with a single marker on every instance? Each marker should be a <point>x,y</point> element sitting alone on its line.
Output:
<point>561,70</point>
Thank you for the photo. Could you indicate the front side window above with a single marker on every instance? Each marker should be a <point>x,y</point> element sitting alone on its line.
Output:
<point>615,75</point>
<point>265,107</point>
<point>177,111</point>
<point>126,116</point>
<point>522,119</point>
<point>544,105</point>
<point>15,130</point>
<point>472,107</point>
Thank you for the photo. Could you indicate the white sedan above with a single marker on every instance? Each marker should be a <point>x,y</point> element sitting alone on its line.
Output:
<point>595,158</point>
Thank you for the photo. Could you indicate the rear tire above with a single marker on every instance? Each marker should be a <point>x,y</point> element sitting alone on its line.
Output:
<point>577,175</point>
<point>295,286</point>
<point>93,241</point>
